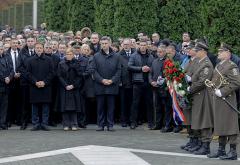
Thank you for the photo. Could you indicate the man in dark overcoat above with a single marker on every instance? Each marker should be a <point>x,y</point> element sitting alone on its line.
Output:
<point>107,70</point>
<point>40,74</point>
<point>6,75</point>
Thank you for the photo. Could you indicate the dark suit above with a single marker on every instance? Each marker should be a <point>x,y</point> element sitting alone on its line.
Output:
<point>106,67</point>
<point>14,92</point>
<point>125,86</point>
<point>25,108</point>
<point>53,115</point>
<point>161,97</point>
<point>95,48</point>
<point>6,70</point>
<point>82,64</point>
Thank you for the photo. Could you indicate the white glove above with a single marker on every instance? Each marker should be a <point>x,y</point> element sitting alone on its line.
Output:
<point>188,89</point>
<point>189,79</point>
<point>218,93</point>
<point>160,80</point>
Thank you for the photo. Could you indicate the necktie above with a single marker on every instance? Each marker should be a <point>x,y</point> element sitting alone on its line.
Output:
<point>15,61</point>
<point>61,56</point>
<point>31,52</point>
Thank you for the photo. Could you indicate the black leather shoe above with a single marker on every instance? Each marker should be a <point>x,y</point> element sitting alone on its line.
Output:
<point>124,125</point>
<point>100,129</point>
<point>156,128</point>
<point>52,124</point>
<point>140,123</point>
<point>177,129</point>
<point>23,127</point>
<point>45,128</point>
<point>133,126</point>
<point>110,129</point>
<point>166,129</point>
<point>35,128</point>
<point>82,126</point>
<point>4,127</point>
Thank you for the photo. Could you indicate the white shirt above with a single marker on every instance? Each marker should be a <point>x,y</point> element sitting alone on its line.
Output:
<point>13,58</point>
<point>30,51</point>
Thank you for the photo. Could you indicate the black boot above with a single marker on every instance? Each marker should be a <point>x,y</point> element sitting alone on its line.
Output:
<point>204,150</point>
<point>187,144</point>
<point>196,145</point>
<point>221,151</point>
<point>232,154</point>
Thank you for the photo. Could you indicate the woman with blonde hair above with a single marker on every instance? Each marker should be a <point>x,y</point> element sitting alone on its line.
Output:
<point>70,82</point>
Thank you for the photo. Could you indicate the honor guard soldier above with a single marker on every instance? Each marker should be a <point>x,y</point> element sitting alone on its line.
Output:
<point>226,80</point>
<point>201,112</point>
<point>190,68</point>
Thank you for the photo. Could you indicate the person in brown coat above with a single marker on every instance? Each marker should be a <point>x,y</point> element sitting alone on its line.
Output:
<point>189,69</point>
<point>226,78</point>
<point>201,110</point>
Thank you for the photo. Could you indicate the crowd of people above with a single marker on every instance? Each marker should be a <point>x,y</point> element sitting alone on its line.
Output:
<point>51,77</point>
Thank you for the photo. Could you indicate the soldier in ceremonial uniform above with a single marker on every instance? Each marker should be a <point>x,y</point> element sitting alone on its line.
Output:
<point>201,111</point>
<point>189,69</point>
<point>226,78</point>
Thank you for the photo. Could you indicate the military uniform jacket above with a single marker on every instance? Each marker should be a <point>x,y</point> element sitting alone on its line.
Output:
<point>202,114</point>
<point>225,118</point>
<point>189,70</point>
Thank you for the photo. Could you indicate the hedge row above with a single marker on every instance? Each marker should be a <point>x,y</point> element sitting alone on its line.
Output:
<point>218,20</point>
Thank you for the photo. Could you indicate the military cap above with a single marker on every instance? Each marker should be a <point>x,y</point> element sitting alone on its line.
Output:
<point>191,45</point>
<point>225,47</point>
<point>76,45</point>
<point>201,46</point>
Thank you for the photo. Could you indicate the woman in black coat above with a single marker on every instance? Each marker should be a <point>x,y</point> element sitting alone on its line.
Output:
<point>70,82</point>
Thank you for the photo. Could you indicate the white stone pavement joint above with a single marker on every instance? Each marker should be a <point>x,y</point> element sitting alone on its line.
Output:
<point>91,153</point>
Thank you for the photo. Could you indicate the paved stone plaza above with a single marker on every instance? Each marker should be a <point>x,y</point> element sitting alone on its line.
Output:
<point>123,147</point>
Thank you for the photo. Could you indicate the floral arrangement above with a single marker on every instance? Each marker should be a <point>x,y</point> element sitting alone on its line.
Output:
<point>177,86</point>
<point>175,76</point>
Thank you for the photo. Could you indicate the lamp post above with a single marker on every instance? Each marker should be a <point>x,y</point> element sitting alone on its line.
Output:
<point>35,7</point>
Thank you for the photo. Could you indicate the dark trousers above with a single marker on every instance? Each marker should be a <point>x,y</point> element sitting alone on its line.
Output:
<point>3,108</point>
<point>81,116</point>
<point>69,119</point>
<point>162,108</point>
<point>42,108</point>
<point>25,107</point>
<point>14,104</point>
<point>144,92</point>
<point>54,114</point>
<point>91,110</point>
<point>105,102</point>
<point>126,102</point>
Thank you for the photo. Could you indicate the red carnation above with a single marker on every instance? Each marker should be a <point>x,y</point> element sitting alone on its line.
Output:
<point>181,75</point>
<point>170,65</point>
<point>175,70</point>
<point>177,79</point>
<point>170,71</point>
